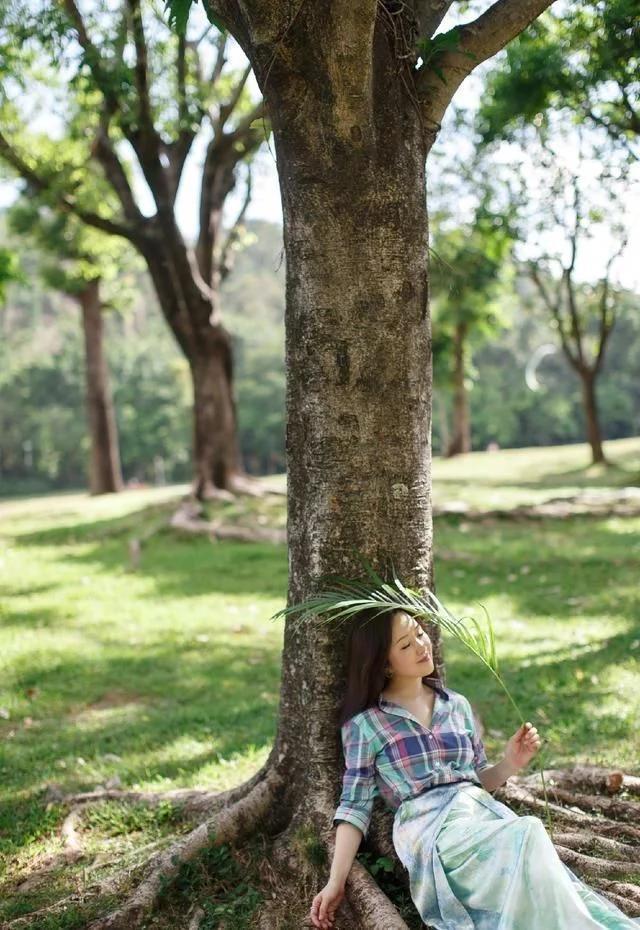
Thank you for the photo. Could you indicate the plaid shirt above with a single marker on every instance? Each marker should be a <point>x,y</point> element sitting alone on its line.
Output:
<point>389,753</point>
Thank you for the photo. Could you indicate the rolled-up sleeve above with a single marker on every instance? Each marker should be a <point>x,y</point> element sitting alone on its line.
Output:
<point>359,787</point>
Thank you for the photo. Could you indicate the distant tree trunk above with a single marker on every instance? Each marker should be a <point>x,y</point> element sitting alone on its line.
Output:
<point>441,408</point>
<point>105,475</point>
<point>594,434</point>
<point>189,308</point>
<point>216,455</point>
<point>461,438</point>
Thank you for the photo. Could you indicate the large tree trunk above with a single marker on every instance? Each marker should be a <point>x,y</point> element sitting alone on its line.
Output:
<point>188,308</point>
<point>594,435</point>
<point>461,439</point>
<point>358,361</point>
<point>105,475</point>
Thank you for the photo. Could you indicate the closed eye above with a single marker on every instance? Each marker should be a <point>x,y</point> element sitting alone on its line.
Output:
<point>419,635</point>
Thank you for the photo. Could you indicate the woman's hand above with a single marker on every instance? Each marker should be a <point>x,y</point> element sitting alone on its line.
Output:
<point>522,746</point>
<point>325,904</point>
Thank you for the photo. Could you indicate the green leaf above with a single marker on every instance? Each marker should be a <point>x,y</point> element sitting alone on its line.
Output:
<point>178,11</point>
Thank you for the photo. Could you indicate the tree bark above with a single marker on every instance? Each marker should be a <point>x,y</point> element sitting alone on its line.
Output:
<point>358,361</point>
<point>589,400</point>
<point>461,439</point>
<point>105,475</point>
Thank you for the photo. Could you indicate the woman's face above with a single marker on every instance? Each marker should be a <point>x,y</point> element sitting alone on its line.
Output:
<point>410,645</point>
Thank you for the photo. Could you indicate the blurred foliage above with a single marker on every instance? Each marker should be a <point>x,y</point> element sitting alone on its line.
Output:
<point>582,57</point>
<point>9,270</point>
<point>43,439</point>
<point>42,431</point>
<point>470,273</point>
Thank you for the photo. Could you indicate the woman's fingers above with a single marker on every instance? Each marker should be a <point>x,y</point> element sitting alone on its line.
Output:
<point>321,914</point>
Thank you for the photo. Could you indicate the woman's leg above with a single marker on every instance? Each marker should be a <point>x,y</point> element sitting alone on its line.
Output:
<point>508,875</point>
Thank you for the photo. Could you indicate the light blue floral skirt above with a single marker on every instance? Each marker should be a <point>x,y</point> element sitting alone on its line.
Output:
<point>476,865</point>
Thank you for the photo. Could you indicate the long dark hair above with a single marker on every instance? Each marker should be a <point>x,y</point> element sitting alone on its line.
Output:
<point>369,642</point>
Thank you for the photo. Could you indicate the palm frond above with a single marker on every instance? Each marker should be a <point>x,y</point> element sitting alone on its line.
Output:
<point>347,598</point>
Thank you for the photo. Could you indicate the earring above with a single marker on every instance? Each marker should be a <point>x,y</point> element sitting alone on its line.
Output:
<point>388,673</point>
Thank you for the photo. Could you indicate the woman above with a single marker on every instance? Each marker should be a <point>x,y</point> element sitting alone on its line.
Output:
<point>473,864</point>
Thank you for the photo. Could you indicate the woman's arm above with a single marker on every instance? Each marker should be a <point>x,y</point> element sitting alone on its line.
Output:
<point>519,751</point>
<point>348,840</point>
<point>496,775</point>
<point>327,901</point>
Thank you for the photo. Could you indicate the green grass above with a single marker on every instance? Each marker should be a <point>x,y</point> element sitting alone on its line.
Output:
<point>168,676</point>
<point>510,477</point>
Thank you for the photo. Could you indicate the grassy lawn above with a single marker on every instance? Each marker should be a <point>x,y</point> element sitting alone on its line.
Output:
<point>527,476</point>
<point>167,676</point>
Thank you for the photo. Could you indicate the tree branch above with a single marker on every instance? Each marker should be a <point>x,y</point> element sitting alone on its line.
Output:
<point>63,201</point>
<point>226,109</point>
<point>220,60</point>
<point>115,173</point>
<point>225,261</point>
<point>141,72</point>
<point>607,311</point>
<point>224,152</point>
<point>429,14</point>
<point>243,131</point>
<point>181,82</point>
<point>92,56</point>
<point>554,308</point>
<point>439,76</point>
<point>576,327</point>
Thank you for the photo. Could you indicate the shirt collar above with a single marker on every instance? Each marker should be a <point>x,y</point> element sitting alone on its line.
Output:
<point>434,682</point>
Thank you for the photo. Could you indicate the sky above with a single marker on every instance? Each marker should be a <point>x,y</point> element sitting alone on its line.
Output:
<point>265,202</point>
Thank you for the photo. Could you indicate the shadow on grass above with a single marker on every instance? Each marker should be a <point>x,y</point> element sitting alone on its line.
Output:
<point>176,710</point>
<point>176,563</point>
<point>576,566</point>
<point>135,522</point>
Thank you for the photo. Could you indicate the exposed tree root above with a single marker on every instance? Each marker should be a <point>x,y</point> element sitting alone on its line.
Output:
<point>591,778</point>
<point>23,923</point>
<point>372,907</point>
<point>189,801</point>
<point>246,484</point>
<point>72,842</point>
<point>623,889</point>
<point>592,502</point>
<point>585,842</point>
<point>227,825</point>
<point>613,808</point>
<point>196,918</point>
<point>603,850</point>
<point>237,484</point>
<point>595,834</point>
<point>518,795</point>
<point>188,519</point>
<point>591,867</point>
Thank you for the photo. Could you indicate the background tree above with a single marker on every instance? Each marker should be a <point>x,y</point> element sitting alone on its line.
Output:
<point>469,271</point>
<point>580,57</point>
<point>356,95</point>
<point>575,190</point>
<point>128,95</point>
<point>81,262</point>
